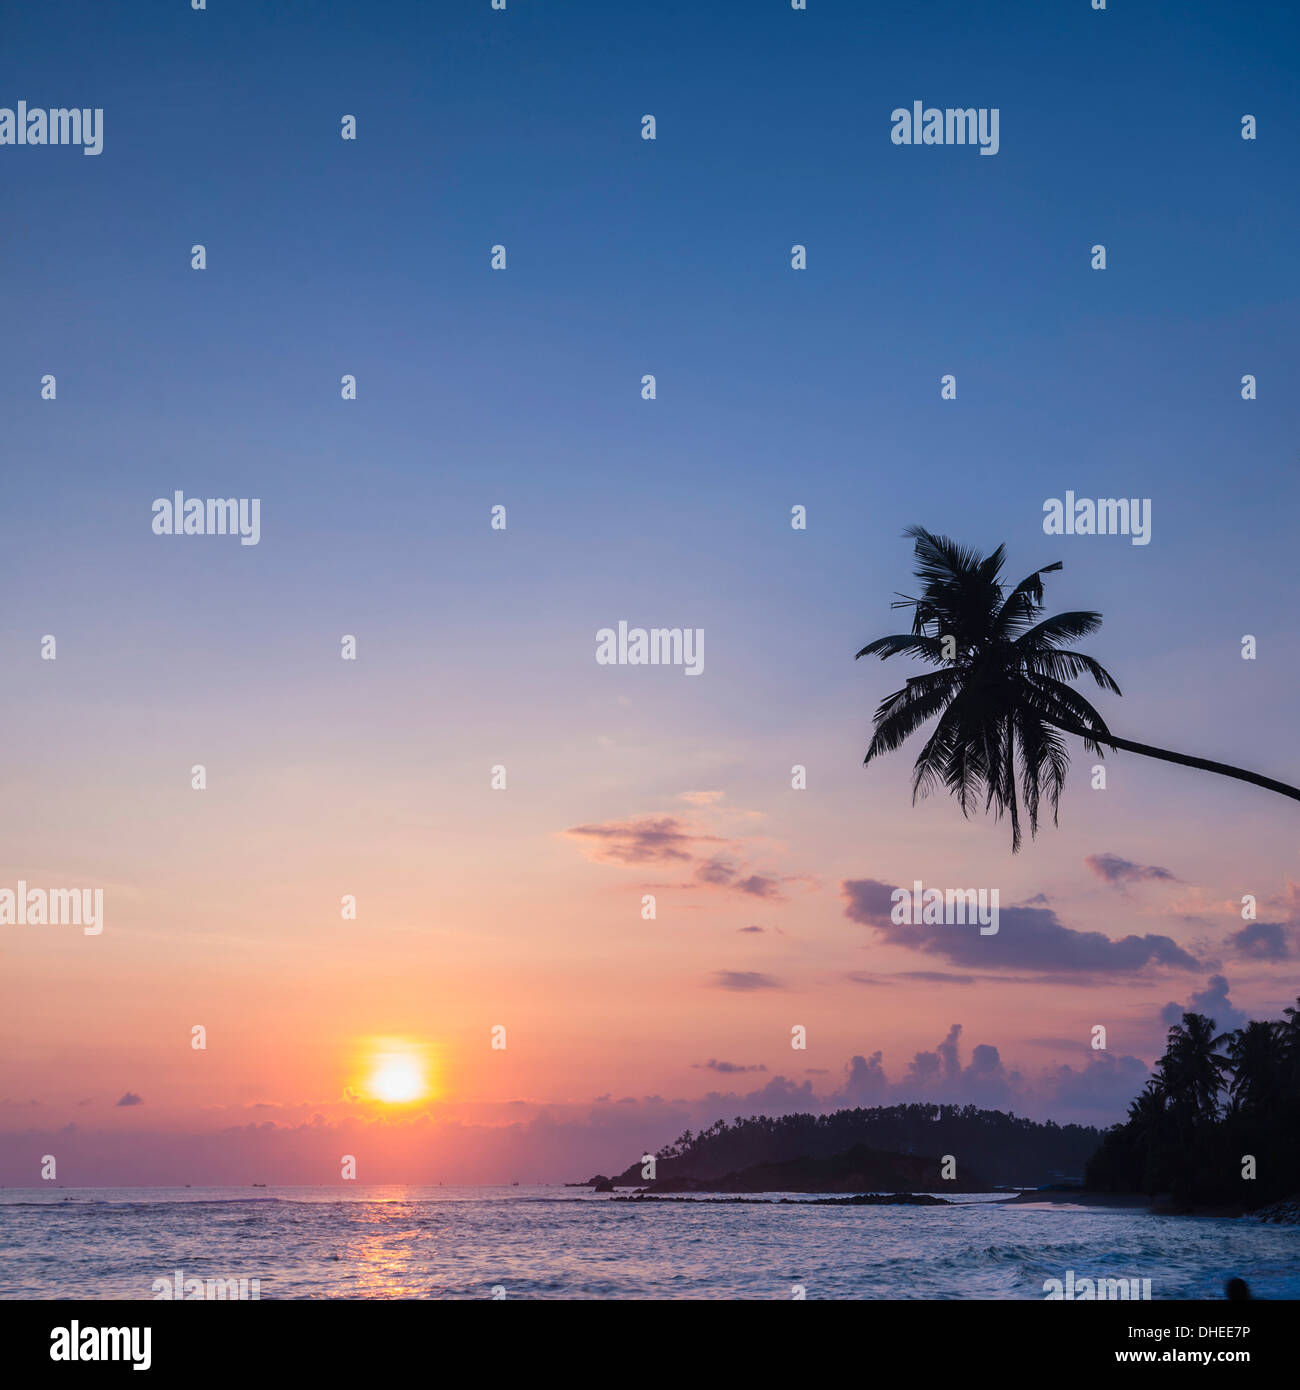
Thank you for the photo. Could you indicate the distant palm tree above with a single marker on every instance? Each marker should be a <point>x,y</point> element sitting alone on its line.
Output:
<point>1000,689</point>
<point>1192,1072</point>
<point>1147,1112</point>
<point>1258,1061</point>
<point>1288,1031</point>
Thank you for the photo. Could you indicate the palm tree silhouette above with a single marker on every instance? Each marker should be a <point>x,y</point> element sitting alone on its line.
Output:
<point>1192,1072</point>
<point>1000,689</point>
<point>1288,1032</point>
<point>1258,1066</point>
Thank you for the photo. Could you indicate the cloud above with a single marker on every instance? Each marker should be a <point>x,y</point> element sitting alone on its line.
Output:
<point>1212,1001</point>
<point>870,901</point>
<point>1028,938</point>
<point>1097,1091</point>
<point>1103,1086</point>
<point>930,977</point>
<point>749,929</point>
<point>668,839</point>
<point>727,1067</point>
<point>1116,870</point>
<point>1261,941</point>
<point>781,1096</point>
<point>759,886</point>
<point>130,1098</point>
<point>865,1082</point>
<point>717,872</point>
<point>936,1076</point>
<point>744,980</point>
<point>645,841</point>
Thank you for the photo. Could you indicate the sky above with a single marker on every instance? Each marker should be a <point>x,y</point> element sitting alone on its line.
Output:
<point>521,908</point>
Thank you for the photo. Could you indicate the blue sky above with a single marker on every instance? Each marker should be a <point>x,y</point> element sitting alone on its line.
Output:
<point>673,257</point>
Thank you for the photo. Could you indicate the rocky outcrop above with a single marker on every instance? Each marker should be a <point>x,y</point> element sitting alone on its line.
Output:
<point>1285,1213</point>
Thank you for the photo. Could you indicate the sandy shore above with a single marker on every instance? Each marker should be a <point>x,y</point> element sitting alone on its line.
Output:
<point>1078,1199</point>
<point>1117,1201</point>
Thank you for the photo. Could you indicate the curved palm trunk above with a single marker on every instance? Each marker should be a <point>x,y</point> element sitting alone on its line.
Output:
<point>1186,759</point>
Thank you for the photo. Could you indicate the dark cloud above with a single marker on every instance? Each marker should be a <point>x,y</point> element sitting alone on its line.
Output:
<point>728,1067</point>
<point>646,841</point>
<point>749,929</point>
<point>870,900</point>
<point>1116,870</point>
<point>716,871</point>
<point>1261,941</point>
<point>130,1098</point>
<point>743,980</point>
<point>1212,1001</point>
<point>1028,938</point>
<point>759,886</point>
<point>666,839</point>
<point>927,977</point>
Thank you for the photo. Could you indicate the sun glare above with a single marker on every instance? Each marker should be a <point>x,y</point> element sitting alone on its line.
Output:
<point>396,1077</point>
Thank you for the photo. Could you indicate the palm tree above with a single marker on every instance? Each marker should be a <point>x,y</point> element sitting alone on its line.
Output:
<point>1192,1073</point>
<point>1288,1032</point>
<point>1257,1063</point>
<point>1000,691</point>
<point>1148,1113</point>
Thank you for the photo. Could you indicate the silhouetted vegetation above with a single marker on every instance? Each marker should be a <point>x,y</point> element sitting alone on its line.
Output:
<point>999,690</point>
<point>859,1169</point>
<point>1003,1149</point>
<point>1215,1099</point>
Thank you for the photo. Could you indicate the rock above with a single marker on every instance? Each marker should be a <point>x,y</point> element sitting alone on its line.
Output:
<point>1284,1213</point>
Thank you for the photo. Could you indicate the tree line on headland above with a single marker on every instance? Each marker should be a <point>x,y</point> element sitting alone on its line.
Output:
<point>1218,1124</point>
<point>1003,1149</point>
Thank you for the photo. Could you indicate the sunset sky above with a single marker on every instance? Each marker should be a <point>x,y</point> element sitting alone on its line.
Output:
<point>476,648</point>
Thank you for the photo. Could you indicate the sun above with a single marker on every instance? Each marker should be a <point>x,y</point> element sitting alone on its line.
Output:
<point>397,1076</point>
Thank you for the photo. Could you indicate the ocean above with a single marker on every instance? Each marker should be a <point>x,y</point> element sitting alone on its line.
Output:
<point>557,1242</point>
